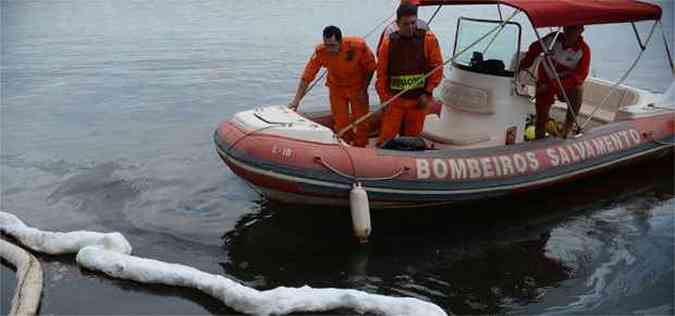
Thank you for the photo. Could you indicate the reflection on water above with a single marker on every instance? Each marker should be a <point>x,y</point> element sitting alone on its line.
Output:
<point>447,264</point>
<point>519,254</point>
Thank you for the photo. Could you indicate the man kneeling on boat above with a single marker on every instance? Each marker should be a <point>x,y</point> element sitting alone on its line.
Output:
<point>404,58</point>
<point>350,64</point>
<point>571,59</point>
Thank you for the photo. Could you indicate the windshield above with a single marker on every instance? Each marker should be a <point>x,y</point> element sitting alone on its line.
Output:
<point>495,54</point>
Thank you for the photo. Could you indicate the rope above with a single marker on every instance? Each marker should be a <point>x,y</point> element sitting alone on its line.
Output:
<point>621,80</point>
<point>351,160</point>
<point>451,59</point>
<point>234,143</point>
<point>492,40</point>
<point>328,166</point>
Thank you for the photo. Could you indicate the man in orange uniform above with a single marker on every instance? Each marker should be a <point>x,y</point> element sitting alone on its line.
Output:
<point>405,57</point>
<point>350,64</point>
<point>571,59</point>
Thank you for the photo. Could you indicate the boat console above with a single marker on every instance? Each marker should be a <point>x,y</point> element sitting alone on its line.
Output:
<point>480,107</point>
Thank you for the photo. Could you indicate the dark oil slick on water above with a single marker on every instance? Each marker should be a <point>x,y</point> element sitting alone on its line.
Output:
<point>107,113</point>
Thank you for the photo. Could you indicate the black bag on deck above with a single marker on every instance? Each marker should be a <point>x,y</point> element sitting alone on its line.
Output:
<point>406,143</point>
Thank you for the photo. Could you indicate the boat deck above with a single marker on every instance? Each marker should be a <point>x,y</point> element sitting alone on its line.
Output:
<point>558,112</point>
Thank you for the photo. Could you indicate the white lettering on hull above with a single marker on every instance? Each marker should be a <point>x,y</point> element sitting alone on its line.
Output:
<point>525,162</point>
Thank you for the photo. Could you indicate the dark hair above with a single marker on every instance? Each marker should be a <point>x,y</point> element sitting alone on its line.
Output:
<point>406,9</point>
<point>571,27</point>
<point>331,31</point>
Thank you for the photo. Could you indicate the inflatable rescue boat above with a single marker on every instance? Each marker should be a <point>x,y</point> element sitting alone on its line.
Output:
<point>474,142</point>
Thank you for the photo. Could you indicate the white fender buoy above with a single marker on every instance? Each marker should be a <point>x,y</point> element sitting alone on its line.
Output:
<point>358,200</point>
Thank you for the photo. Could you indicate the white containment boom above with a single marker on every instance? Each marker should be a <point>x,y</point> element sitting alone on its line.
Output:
<point>110,254</point>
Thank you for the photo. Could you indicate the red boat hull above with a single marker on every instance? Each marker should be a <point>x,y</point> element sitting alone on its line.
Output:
<point>298,171</point>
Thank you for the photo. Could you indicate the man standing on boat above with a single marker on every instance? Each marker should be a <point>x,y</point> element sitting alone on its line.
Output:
<point>350,64</point>
<point>571,59</point>
<point>404,58</point>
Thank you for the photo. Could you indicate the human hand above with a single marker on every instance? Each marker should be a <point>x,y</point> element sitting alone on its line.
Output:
<point>423,102</point>
<point>364,95</point>
<point>525,72</point>
<point>294,105</point>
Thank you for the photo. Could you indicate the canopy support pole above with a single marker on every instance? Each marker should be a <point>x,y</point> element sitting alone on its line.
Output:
<point>637,35</point>
<point>499,9</point>
<point>434,15</point>
<point>549,65</point>
<point>621,80</point>
<point>665,43</point>
<point>492,40</point>
<point>555,38</point>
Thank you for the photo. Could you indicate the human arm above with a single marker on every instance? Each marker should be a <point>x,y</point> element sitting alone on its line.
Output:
<point>535,50</point>
<point>368,64</point>
<point>382,80</point>
<point>311,69</point>
<point>532,53</point>
<point>299,94</point>
<point>434,60</point>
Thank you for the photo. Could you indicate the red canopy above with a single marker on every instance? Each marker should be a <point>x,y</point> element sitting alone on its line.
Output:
<point>545,13</point>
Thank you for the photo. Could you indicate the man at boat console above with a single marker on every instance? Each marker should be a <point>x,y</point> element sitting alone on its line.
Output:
<point>571,59</point>
<point>350,64</point>
<point>404,58</point>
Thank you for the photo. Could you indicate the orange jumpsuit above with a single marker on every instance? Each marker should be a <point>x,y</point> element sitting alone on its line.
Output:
<point>404,109</point>
<point>347,82</point>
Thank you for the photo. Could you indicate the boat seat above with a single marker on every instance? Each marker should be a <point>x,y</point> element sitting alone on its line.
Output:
<point>432,131</point>
<point>595,91</point>
<point>600,115</point>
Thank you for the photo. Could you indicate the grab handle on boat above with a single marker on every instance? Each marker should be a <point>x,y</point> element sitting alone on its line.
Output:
<point>398,173</point>
<point>652,136</point>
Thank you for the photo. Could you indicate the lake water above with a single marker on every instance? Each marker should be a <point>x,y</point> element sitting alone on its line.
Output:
<point>108,109</point>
